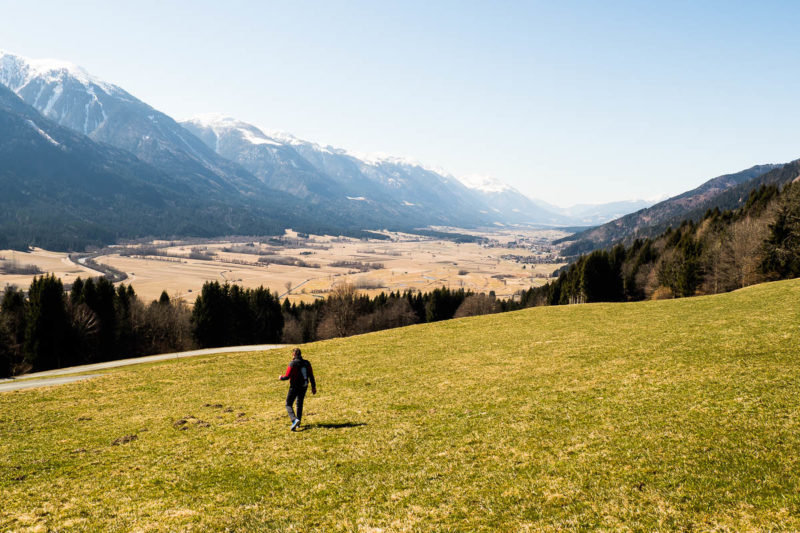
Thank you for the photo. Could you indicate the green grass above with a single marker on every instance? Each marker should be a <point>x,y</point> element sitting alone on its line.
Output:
<point>671,415</point>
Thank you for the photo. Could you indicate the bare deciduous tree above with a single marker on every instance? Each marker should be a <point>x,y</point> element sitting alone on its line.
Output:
<point>396,314</point>
<point>477,304</point>
<point>340,312</point>
<point>292,330</point>
<point>740,253</point>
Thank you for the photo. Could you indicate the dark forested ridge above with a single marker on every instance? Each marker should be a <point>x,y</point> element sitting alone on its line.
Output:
<point>724,192</point>
<point>723,251</point>
<point>60,190</point>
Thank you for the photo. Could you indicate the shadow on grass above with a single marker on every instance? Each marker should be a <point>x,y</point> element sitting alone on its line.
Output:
<point>332,425</point>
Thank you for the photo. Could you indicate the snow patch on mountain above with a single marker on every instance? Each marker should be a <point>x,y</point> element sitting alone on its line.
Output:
<point>222,124</point>
<point>252,138</point>
<point>18,71</point>
<point>377,159</point>
<point>94,102</point>
<point>44,134</point>
<point>53,99</point>
<point>483,183</point>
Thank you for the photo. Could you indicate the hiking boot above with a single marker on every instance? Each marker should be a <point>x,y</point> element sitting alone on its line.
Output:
<point>295,424</point>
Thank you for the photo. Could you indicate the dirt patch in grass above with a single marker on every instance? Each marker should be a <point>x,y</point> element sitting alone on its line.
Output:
<point>125,439</point>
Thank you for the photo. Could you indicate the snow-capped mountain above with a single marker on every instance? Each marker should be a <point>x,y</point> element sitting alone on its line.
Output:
<point>238,162</point>
<point>61,190</point>
<point>403,186</point>
<point>50,84</point>
<point>512,204</point>
<point>273,161</point>
<point>71,97</point>
<point>405,189</point>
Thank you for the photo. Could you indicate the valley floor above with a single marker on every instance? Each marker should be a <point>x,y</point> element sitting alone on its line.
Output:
<point>669,415</point>
<point>306,268</point>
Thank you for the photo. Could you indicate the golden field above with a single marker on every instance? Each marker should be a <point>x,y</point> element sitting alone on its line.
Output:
<point>407,262</point>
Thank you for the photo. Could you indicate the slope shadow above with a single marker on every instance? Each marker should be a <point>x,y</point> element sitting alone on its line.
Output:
<point>332,425</point>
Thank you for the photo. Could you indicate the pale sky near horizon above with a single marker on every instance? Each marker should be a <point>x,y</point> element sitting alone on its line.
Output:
<point>570,102</point>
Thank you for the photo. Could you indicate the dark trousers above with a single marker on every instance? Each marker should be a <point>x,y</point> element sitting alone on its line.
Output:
<point>295,393</point>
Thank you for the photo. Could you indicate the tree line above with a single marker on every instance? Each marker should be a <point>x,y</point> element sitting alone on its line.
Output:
<point>346,311</point>
<point>94,321</point>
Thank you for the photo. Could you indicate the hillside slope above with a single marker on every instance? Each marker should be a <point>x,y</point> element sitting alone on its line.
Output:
<point>725,192</point>
<point>73,98</point>
<point>67,95</point>
<point>61,190</point>
<point>670,415</point>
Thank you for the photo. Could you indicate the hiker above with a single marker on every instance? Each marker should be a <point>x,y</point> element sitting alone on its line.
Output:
<point>299,374</point>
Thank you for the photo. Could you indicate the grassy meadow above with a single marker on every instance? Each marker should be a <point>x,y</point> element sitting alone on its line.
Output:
<point>651,416</point>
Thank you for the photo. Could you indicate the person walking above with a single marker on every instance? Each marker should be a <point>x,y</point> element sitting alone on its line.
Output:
<point>299,374</point>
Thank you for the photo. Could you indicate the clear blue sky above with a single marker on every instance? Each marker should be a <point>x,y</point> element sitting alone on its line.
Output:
<point>568,101</point>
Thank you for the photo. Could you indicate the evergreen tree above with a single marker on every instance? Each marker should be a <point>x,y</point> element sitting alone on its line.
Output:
<point>104,308</point>
<point>12,321</point>
<point>211,317</point>
<point>123,303</point>
<point>782,248</point>
<point>46,323</point>
<point>268,318</point>
<point>596,277</point>
<point>76,293</point>
<point>442,304</point>
<point>6,355</point>
<point>242,321</point>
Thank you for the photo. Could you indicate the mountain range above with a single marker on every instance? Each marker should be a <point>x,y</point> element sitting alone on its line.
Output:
<point>61,190</point>
<point>236,163</point>
<point>309,170</point>
<point>228,176</point>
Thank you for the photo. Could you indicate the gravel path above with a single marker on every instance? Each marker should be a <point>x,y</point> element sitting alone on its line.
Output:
<point>51,377</point>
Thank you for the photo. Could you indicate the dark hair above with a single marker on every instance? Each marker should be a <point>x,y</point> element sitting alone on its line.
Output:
<point>297,353</point>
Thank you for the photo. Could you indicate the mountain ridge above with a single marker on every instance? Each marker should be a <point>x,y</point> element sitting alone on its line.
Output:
<point>496,198</point>
<point>273,172</point>
<point>687,205</point>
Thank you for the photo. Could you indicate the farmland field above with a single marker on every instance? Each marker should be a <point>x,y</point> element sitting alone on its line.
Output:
<point>650,416</point>
<point>41,261</point>
<point>305,268</point>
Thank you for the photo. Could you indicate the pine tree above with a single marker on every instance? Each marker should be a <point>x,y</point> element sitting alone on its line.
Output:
<point>211,316</point>
<point>267,316</point>
<point>164,298</point>
<point>782,248</point>
<point>12,321</point>
<point>46,323</point>
<point>106,313</point>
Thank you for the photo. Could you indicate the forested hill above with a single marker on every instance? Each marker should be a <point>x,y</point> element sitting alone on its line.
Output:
<point>725,250</point>
<point>724,192</point>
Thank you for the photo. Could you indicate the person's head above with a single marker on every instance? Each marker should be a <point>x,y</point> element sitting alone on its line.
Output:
<point>296,354</point>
